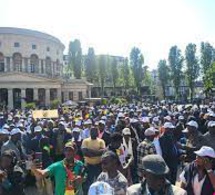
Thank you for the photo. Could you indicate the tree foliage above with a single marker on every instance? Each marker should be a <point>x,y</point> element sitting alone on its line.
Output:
<point>192,66</point>
<point>75,58</point>
<point>102,66</point>
<point>163,75</point>
<point>137,60</point>
<point>114,73</point>
<point>176,63</point>
<point>90,65</point>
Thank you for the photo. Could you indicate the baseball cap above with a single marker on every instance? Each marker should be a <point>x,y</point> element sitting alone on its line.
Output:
<point>181,117</point>
<point>206,151</point>
<point>69,144</point>
<point>37,129</point>
<point>100,187</point>
<point>145,119</point>
<point>168,125</point>
<point>150,131</point>
<point>102,122</point>
<point>15,131</point>
<point>167,118</point>
<point>88,122</point>
<point>211,124</point>
<point>126,131</point>
<point>155,164</point>
<point>193,123</point>
<point>121,115</point>
<point>4,132</point>
<point>76,129</point>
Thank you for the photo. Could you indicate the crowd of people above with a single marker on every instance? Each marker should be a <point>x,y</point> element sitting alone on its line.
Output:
<point>160,149</point>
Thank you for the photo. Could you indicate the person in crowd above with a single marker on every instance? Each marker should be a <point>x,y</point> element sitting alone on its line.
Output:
<point>92,148</point>
<point>154,170</point>
<point>100,187</point>
<point>77,139</point>
<point>68,173</point>
<point>198,177</point>
<point>60,137</point>
<point>194,140</point>
<point>210,135</point>
<point>169,150</point>
<point>4,136</point>
<point>145,148</point>
<point>14,143</point>
<point>11,175</point>
<point>111,175</point>
<point>103,133</point>
<point>87,127</point>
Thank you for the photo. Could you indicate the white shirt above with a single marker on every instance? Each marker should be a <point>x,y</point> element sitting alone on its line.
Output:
<point>156,143</point>
<point>197,185</point>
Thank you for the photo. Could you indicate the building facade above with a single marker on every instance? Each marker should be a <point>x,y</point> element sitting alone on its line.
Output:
<point>31,65</point>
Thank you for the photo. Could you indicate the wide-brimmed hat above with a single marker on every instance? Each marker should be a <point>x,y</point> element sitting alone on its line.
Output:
<point>154,164</point>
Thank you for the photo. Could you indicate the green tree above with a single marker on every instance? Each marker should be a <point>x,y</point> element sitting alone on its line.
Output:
<point>163,75</point>
<point>114,73</point>
<point>102,66</point>
<point>207,58</point>
<point>137,60</point>
<point>90,65</point>
<point>176,63</point>
<point>210,78</point>
<point>192,67</point>
<point>125,74</point>
<point>75,58</point>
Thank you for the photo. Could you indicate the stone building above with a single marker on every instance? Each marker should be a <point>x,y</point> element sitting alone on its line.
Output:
<point>31,70</point>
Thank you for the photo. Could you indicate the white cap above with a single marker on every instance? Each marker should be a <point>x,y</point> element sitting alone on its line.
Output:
<point>167,118</point>
<point>4,132</point>
<point>206,151</point>
<point>37,129</point>
<point>102,122</point>
<point>211,124</point>
<point>145,119</point>
<point>20,125</point>
<point>181,117</point>
<point>121,115</point>
<point>193,123</point>
<point>133,120</point>
<point>156,119</point>
<point>76,129</point>
<point>6,126</point>
<point>61,123</point>
<point>15,131</point>
<point>168,125</point>
<point>88,122</point>
<point>150,131</point>
<point>100,187</point>
<point>126,131</point>
<point>104,118</point>
<point>78,123</point>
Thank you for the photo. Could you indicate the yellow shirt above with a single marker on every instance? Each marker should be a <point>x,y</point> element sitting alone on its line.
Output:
<point>95,145</point>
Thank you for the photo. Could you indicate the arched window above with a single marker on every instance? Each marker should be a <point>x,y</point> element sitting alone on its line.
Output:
<point>48,66</point>
<point>2,63</point>
<point>34,64</point>
<point>17,62</point>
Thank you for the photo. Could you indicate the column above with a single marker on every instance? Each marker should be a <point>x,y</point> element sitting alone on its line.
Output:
<point>40,65</point>
<point>47,100</point>
<point>10,98</point>
<point>59,94</point>
<point>36,97</point>
<point>89,91</point>
<point>11,64</point>
<point>23,65</point>
<point>23,96</point>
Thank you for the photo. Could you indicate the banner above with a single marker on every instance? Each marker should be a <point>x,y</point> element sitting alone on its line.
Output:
<point>45,114</point>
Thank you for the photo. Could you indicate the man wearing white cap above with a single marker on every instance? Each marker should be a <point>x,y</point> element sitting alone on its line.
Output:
<point>198,177</point>
<point>146,147</point>
<point>210,135</point>
<point>169,150</point>
<point>14,143</point>
<point>87,127</point>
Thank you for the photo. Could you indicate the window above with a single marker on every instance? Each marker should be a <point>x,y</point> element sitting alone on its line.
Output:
<point>34,63</point>
<point>80,97</point>
<point>47,49</point>
<point>70,95</point>
<point>16,44</point>
<point>34,46</point>
<point>48,66</point>
<point>1,62</point>
<point>17,62</point>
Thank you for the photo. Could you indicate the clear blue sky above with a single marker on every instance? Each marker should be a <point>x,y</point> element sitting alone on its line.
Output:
<point>115,26</point>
